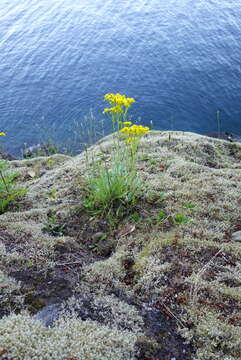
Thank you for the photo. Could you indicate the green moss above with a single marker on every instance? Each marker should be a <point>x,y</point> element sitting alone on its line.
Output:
<point>34,302</point>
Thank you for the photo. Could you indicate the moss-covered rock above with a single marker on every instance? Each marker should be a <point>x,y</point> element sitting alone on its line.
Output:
<point>187,270</point>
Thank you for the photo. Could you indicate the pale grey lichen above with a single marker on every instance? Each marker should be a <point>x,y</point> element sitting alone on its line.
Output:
<point>8,287</point>
<point>216,338</point>
<point>122,315</point>
<point>25,338</point>
<point>104,274</point>
<point>111,312</point>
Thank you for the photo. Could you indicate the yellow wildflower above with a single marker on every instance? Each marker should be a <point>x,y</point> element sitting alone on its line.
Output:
<point>127,123</point>
<point>125,130</point>
<point>135,130</point>
<point>129,101</point>
<point>118,99</point>
<point>2,134</point>
<point>114,109</point>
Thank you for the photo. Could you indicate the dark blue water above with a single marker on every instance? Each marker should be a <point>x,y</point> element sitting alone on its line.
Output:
<point>180,59</point>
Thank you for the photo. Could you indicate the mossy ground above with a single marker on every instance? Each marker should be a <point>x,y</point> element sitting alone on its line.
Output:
<point>188,271</point>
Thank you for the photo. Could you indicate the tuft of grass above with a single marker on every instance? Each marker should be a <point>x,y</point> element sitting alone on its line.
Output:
<point>9,191</point>
<point>46,149</point>
<point>114,186</point>
<point>181,219</point>
<point>53,227</point>
<point>161,216</point>
<point>189,206</point>
<point>218,123</point>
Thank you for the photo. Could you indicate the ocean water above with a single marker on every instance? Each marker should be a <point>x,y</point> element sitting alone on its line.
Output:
<point>180,60</point>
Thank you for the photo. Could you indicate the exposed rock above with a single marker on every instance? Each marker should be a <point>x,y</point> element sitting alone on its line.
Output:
<point>98,236</point>
<point>49,314</point>
<point>159,341</point>
<point>237,236</point>
<point>40,150</point>
<point>225,136</point>
<point>165,264</point>
<point>6,156</point>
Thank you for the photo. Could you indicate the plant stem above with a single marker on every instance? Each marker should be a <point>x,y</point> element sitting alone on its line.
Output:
<point>4,182</point>
<point>219,124</point>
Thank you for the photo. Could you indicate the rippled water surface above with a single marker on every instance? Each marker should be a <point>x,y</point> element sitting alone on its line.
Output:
<point>180,59</point>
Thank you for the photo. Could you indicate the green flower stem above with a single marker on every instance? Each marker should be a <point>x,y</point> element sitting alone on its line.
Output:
<point>4,182</point>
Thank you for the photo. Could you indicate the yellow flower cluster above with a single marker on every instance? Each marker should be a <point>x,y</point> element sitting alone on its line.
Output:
<point>115,109</point>
<point>2,134</point>
<point>124,123</point>
<point>119,101</point>
<point>134,130</point>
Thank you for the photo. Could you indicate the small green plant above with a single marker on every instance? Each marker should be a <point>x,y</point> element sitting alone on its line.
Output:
<point>172,121</point>
<point>9,190</point>
<point>189,206</point>
<point>162,196</point>
<point>161,216</point>
<point>53,227</point>
<point>181,219</point>
<point>152,162</point>
<point>218,123</point>
<point>144,157</point>
<point>46,149</point>
<point>136,217</point>
<point>148,220</point>
<point>155,197</point>
<point>152,196</point>
<point>53,194</point>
